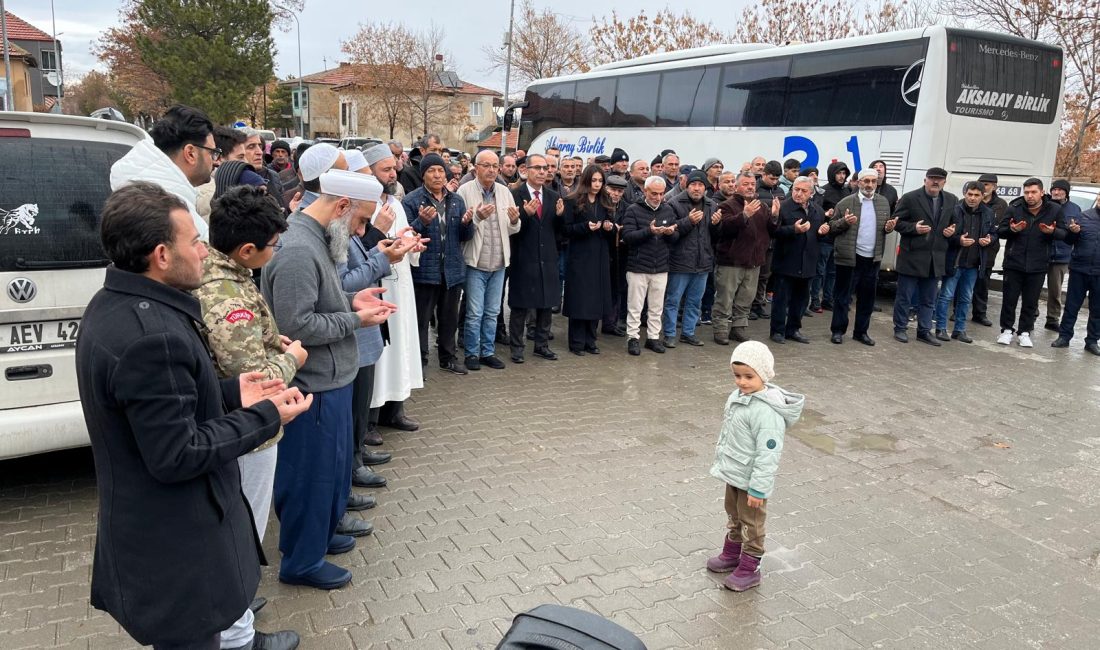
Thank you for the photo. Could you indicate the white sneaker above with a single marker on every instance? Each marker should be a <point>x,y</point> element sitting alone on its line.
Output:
<point>1025,340</point>
<point>1005,338</point>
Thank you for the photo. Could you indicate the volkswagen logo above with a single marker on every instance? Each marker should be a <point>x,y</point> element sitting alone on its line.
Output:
<point>910,83</point>
<point>22,290</point>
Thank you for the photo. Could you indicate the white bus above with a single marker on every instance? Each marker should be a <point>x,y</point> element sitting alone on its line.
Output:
<point>968,101</point>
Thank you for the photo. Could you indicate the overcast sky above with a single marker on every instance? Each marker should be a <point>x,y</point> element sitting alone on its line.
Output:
<point>326,22</point>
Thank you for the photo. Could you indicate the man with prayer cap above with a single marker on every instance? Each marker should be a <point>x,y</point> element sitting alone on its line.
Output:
<point>316,160</point>
<point>355,159</point>
<point>399,371</point>
<point>303,288</point>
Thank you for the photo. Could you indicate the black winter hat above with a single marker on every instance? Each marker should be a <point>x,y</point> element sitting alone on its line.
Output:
<point>1060,184</point>
<point>280,144</point>
<point>697,177</point>
<point>431,160</point>
<point>618,155</point>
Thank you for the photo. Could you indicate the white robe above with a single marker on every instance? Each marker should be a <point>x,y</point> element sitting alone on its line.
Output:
<point>398,371</point>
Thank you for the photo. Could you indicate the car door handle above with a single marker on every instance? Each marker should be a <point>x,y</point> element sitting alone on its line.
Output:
<point>23,373</point>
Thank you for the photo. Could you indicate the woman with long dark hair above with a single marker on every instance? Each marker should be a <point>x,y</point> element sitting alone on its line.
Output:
<point>589,225</point>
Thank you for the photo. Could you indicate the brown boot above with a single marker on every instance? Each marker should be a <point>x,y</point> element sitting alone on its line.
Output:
<point>721,338</point>
<point>739,334</point>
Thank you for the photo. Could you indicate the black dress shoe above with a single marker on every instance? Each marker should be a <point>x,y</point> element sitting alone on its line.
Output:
<point>282,640</point>
<point>592,349</point>
<point>778,338</point>
<point>364,477</point>
<point>926,337</point>
<point>579,353</point>
<point>692,340</point>
<point>377,457</point>
<point>982,320</point>
<point>328,576</point>
<point>473,363</point>
<point>358,502</point>
<point>797,337</point>
<point>1092,348</point>
<point>942,335</point>
<point>633,347</point>
<point>961,337</point>
<point>614,331</point>
<point>372,437</point>
<point>864,339</point>
<point>453,367</point>
<point>901,337</point>
<point>546,353</point>
<point>1051,326</point>
<point>401,423</point>
<point>353,526</point>
<point>837,338</point>
<point>517,358</point>
<point>258,603</point>
<point>655,345</point>
<point>1060,342</point>
<point>492,362</point>
<point>340,544</point>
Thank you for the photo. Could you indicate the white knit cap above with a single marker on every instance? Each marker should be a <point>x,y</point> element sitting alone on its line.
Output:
<point>353,185</point>
<point>317,160</point>
<point>377,152</point>
<point>757,356</point>
<point>355,160</point>
<point>868,173</point>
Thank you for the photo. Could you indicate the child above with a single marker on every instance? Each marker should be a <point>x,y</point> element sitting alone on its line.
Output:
<point>747,457</point>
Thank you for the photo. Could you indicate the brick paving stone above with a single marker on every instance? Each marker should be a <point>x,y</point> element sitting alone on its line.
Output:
<point>895,522</point>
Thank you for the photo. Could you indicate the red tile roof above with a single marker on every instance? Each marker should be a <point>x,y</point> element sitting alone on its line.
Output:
<point>493,141</point>
<point>16,51</point>
<point>21,30</point>
<point>350,73</point>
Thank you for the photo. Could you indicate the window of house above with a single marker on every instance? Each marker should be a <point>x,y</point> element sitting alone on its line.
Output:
<point>345,112</point>
<point>475,109</point>
<point>49,60</point>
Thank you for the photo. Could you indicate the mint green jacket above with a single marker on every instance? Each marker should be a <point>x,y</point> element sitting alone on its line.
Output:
<point>751,439</point>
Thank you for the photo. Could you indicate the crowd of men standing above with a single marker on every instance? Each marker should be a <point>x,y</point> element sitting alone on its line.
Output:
<point>263,320</point>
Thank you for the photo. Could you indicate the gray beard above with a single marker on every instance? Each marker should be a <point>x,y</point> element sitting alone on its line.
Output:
<point>339,238</point>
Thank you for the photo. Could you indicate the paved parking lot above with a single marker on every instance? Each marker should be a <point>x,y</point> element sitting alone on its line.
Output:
<point>933,498</point>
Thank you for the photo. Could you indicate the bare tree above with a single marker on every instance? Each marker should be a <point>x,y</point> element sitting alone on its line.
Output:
<point>543,45</point>
<point>430,90</point>
<point>1024,18</point>
<point>380,53</point>
<point>1076,29</point>
<point>891,16</point>
<point>616,39</point>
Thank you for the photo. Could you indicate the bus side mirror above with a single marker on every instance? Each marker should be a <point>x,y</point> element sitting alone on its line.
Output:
<point>510,115</point>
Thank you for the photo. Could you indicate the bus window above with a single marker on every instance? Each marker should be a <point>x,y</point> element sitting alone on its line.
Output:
<point>688,97</point>
<point>1002,78</point>
<point>636,101</point>
<point>550,106</point>
<point>853,87</point>
<point>753,93</point>
<point>595,101</point>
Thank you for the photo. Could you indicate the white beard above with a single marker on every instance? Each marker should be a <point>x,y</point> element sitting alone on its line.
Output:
<point>339,238</point>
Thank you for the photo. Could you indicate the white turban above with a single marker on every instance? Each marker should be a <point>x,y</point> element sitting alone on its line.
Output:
<point>377,152</point>
<point>355,160</point>
<point>317,160</point>
<point>355,186</point>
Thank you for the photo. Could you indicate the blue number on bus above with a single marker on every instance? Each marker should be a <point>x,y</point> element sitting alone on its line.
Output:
<point>853,148</point>
<point>797,144</point>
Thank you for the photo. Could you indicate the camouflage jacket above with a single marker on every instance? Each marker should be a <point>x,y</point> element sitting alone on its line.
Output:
<point>242,332</point>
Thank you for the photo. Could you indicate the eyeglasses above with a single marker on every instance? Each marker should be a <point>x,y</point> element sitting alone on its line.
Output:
<point>215,153</point>
<point>488,165</point>
<point>538,168</point>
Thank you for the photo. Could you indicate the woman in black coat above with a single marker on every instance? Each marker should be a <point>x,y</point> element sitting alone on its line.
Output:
<point>590,227</point>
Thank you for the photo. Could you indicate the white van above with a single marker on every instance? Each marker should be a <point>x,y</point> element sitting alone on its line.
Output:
<point>54,177</point>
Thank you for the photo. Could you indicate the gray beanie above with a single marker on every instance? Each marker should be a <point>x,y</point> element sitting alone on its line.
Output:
<point>757,356</point>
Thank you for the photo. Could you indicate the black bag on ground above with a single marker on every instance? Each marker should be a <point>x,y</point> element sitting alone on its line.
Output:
<point>565,628</point>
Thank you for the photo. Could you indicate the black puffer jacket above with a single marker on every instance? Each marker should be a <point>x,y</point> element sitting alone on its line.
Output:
<point>693,251</point>
<point>796,253</point>
<point>1029,249</point>
<point>834,192</point>
<point>647,252</point>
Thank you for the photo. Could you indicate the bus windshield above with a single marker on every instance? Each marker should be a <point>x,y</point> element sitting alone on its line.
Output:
<point>1001,78</point>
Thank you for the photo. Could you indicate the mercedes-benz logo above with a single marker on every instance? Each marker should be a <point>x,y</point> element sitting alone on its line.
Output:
<point>910,83</point>
<point>22,290</point>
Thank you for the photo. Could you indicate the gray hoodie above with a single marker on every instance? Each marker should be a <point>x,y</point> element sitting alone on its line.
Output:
<point>304,291</point>
<point>751,439</point>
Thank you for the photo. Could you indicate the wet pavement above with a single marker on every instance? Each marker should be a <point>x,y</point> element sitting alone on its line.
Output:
<point>930,498</point>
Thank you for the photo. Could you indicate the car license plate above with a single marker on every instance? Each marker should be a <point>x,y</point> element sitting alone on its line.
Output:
<point>42,335</point>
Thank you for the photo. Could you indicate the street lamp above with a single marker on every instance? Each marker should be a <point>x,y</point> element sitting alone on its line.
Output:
<point>507,79</point>
<point>9,97</point>
<point>301,101</point>
<point>60,85</point>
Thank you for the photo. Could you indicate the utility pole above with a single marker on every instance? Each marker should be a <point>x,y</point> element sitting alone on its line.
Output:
<point>507,77</point>
<point>301,95</point>
<point>57,60</point>
<point>9,97</point>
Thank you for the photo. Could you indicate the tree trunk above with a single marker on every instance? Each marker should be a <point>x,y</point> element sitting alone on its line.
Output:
<point>1075,156</point>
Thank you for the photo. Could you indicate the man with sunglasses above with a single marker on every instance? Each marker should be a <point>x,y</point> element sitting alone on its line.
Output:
<point>180,158</point>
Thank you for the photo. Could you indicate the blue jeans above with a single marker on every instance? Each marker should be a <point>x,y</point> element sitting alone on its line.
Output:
<point>961,283</point>
<point>1080,286</point>
<point>821,288</point>
<point>922,291</point>
<point>690,287</point>
<point>483,292</point>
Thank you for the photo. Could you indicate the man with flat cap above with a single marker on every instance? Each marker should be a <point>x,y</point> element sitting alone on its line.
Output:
<point>301,283</point>
<point>926,222</point>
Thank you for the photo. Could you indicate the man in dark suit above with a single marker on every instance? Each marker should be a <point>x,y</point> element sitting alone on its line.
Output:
<point>177,557</point>
<point>533,274</point>
<point>926,223</point>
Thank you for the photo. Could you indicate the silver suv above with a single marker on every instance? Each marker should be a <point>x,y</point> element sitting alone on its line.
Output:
<point>54,178</point>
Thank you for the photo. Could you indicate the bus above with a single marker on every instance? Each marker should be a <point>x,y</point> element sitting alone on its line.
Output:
<point>969,101</point>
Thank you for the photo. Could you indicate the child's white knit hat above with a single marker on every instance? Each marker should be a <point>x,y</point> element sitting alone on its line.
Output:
<point>757,356</point>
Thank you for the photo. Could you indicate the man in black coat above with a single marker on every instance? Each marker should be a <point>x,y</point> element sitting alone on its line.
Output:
<point>770,193</point>
<point>801,226</point>
<point>177,557</point>
<point>885,189</point>
<point>926,223</point>
<point>981,287</point>
<point>649,228</point>
<point>533,273</point>
<point>1031,225</point>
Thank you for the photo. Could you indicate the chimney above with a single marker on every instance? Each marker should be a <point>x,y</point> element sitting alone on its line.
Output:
<point>438,64</point>
<point>344,64</point>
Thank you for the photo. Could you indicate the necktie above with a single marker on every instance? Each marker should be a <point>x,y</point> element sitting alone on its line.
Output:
<point>538,200</point>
